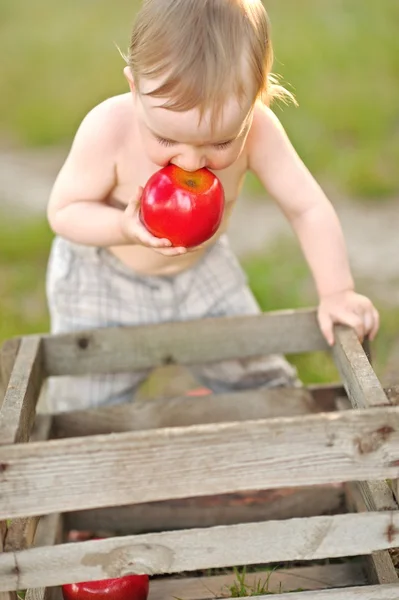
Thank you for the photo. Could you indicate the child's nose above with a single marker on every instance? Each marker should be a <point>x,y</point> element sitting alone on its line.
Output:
<point>190,161</point>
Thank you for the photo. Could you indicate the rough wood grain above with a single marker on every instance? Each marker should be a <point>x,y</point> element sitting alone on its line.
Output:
<point>8,353</point>
<point>210,511</point>
<point>18,409</point>
<point>122,349</point>
<point>357,593</point>
<point>281,580</point>
<point>22,532</point>
<point>390,379</point>
<point>364,390</point>
<point>371,496</point>
<point>3,532</point>
<point>188,550</point>
<point>184,411</point>
<point>199,460</point>
<point>49,532</point>
<point>360,381</point>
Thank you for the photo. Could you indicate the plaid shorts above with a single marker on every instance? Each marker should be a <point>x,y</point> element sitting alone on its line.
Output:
<point>88,287</point>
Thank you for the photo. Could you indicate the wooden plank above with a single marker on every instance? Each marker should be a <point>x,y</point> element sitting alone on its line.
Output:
<point>273,581</point>
<point>371,496</point>
<point>49,532</point>
<point>364,390</point>
<point>185,411</point>
<point>188,550</point>
<point>355,593</point>
<point>3,532</point>
<point>122,349</point>
<point>360,381</point>
<point>199,460</point>
<point>8,353</point>
<point>18,410</point>
<point>390,378</point>
<point>21,532</point>
<point>210,511</point>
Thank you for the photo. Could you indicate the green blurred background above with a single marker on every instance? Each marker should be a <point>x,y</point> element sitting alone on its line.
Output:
<point>339,57</point>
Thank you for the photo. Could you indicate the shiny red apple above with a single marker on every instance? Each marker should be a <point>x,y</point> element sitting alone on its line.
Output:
<point>129,587</point>
<point>183,207</point>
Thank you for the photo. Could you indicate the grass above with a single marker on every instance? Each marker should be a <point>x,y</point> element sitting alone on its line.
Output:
<point>340,57</point>
<point>241,588</point>
<point>261,587</point>
<point>24,248</point>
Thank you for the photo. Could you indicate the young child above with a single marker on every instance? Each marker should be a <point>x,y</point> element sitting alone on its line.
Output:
<point>199,73</point>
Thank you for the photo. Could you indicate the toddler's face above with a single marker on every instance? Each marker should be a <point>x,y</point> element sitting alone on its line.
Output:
<point>182,139</point>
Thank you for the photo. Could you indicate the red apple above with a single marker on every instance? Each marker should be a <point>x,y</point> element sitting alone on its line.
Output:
<point>129,587</point>
<point>182,207</point>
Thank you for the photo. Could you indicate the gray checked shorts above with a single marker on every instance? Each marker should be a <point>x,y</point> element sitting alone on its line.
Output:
<point>89,287</point>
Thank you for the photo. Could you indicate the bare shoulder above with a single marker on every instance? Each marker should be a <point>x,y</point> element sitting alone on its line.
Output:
<point>265,123</point>
<point>108,122</point>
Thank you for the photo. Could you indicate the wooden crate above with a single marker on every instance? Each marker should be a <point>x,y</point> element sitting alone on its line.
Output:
<point>189,487</point>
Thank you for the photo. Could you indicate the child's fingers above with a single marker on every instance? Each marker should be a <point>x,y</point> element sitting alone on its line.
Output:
<point>172,251</point>
<point>147,239</point>
<point>134,203</point>
<point>327,328</point>
<point>375,323</point>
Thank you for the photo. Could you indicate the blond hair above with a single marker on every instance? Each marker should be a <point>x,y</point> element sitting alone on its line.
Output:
<point>202,51</point>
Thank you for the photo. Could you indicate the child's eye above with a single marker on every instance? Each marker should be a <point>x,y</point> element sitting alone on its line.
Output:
<point>223,145</point>
<point>164,142</point>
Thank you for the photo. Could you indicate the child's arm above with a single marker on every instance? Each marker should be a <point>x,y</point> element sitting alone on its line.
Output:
<point>78,208</point>
<point>273,159</point>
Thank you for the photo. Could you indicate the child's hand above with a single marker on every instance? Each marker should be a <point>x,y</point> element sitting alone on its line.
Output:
<point>347,308</point>
<point>136,233</point>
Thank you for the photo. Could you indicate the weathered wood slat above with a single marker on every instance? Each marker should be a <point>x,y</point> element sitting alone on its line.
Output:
<point>185,411</point>
<point>22,532</point>
<point>188,550</point>
<point>210,511</point>
<point>364,391</point>
<point>357,593</point>
<point>281,580</point>
<point>371,496</point>
<point>361,383</point>
<point>122,349</point>
<point>49,532</point>
<point>18,410</point>
<point>198,461</point>
<point>8,353</point>
<point>3,531</point>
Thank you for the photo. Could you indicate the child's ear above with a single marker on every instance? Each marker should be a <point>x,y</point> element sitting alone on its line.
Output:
<point>129,76</point>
